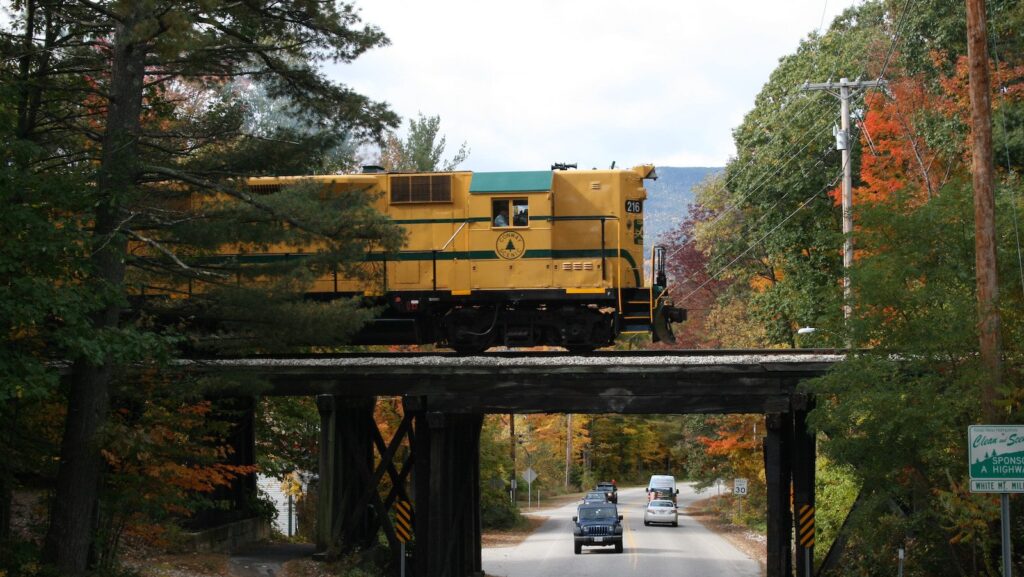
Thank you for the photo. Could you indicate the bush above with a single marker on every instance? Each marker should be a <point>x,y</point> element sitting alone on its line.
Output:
<point>496,512</point>
<point>21,559</point>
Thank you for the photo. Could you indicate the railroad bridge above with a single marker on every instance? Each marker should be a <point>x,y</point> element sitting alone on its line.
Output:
<point>445,397</point>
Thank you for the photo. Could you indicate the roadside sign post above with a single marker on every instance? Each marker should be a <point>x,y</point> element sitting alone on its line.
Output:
<point>739,487</point>
<point>403,527</point>
<point>530,475</point>
<point>996,462</point>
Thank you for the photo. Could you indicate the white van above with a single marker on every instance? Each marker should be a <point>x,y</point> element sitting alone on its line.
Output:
<point>662,487</point>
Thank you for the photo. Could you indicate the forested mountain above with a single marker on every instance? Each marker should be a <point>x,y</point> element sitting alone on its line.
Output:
<point>669,198</point>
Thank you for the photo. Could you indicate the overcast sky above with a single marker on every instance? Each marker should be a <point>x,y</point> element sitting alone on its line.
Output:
<point>526,83</point>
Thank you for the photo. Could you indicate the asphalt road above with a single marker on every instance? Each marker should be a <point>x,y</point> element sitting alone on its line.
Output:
<point>688,550</point>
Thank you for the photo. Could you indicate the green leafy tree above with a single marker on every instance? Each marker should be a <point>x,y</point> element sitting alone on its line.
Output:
<point>916,298</point>
<point>773,230</point>
<point>422,150</point>
<point>287,435</point>
<point>496,509</point>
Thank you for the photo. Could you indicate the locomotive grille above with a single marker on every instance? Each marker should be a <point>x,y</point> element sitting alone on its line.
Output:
<point>264,188</point>
<point>577,266</point>
<point>421,188</point>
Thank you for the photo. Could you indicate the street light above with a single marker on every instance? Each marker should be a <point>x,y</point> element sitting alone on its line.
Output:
<point>812,330</point>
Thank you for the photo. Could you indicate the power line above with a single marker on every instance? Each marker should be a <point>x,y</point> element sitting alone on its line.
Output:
<point>778,112</point>
<point>896,37</point>
<point>765,236</point>
<point>766,176</point>
<point>760,183</point>
<point>765,214</point>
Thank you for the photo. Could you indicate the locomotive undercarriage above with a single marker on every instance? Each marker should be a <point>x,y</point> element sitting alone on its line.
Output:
<point>517,318</point>
<point>510,320</point>
<point>578,328</point>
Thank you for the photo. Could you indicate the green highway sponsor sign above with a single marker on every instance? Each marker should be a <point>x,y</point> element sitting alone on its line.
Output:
<point>996,455</point>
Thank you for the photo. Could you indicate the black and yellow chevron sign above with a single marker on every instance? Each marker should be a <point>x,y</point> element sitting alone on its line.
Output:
<point>806,517</point>
<point>403,520</point>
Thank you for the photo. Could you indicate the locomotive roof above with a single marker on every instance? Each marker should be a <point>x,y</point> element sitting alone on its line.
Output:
<point>482,182</point>
<point>536,181</point>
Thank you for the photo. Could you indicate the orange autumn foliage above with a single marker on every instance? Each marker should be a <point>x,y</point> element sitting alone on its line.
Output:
<point>163,454</point>
<point>733,434</point>
<point>737,442</point>
<point>900,151</point>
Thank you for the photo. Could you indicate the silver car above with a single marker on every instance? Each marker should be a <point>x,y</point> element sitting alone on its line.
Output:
<point>661,511</point>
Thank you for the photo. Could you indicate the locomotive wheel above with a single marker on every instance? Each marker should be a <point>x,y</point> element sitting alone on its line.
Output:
<point>470,330</point>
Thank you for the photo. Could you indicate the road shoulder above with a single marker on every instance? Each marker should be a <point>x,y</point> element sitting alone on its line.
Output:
<point>752,544</point>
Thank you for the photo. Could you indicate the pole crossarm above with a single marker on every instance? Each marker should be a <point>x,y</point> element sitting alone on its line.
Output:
<point>856,85</point>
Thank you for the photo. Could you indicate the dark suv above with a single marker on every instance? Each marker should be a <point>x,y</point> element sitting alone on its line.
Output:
<point>597,525</point>
<point>611,492</point>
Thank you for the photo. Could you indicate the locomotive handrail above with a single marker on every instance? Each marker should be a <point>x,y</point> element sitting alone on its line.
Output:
<point>442,249</point>
<point>618,255</point>
<point>650,296</point>
<point>618,261</point>
<point>455,234</point>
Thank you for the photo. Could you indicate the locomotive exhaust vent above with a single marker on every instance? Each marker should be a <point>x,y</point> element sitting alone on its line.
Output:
<point>577,266</point>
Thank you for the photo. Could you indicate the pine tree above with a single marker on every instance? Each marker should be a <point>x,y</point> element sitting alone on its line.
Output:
<point>140,92</point>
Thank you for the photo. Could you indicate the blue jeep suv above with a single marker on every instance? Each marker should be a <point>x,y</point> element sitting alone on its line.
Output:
<point>597,525</point>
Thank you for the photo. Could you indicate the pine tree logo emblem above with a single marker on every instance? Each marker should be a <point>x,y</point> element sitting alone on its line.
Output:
<point>510,245</point>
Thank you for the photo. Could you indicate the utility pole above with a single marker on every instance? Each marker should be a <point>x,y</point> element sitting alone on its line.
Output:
<point>512,453</point>
<point>568,447</point>
<point>846,90</point>
<point>987,280</point>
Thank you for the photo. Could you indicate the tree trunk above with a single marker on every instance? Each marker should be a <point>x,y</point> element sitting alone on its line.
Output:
<point>72,515</point>
<point>6,496</point>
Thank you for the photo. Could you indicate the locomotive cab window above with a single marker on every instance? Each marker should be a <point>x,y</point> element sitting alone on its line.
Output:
<point>507,213</point>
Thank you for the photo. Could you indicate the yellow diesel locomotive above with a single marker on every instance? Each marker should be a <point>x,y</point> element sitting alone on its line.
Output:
<point>516,259</point>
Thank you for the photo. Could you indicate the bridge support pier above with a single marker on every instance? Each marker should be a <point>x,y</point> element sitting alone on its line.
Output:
<point>778,473</point>
<point>804,456</point>
<point>447,494</point>
<point>789,458</point>
<point>346,452</point>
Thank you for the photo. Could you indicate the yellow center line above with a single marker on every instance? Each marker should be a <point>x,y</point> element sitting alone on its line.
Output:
<point>628,534</point>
